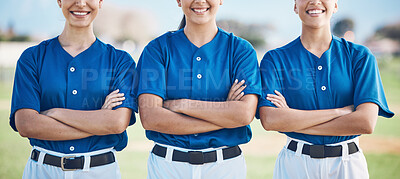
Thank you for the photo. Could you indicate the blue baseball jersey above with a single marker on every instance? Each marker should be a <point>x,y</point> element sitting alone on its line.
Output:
<point>346,74</point>
<point>173,68</point>
<point>48,77</point>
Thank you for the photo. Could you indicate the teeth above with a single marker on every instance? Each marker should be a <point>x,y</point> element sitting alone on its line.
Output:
<point>315,11</point>
<point>80,13</point>
<point>200,10</point>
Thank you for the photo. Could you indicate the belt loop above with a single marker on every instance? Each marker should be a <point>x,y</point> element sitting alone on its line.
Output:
<point>220,156</point>
<point>168,156</point>
<point>299,149</point>
<point>345,152</point>
<point>41,157</point>
<point>86,164</point>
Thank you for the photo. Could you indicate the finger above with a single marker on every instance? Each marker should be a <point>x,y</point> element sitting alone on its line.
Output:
<point>238,91</point>
<point>231,90</point>
<point>235,82</point>
<point>275,97</point>
<point>234,86</point>
<point>274,100</point>
<point>114,100</point>
<point>237,86</point>
<point>113,92</point>
<point>286,105</point>
<point>105,106</point>
<point>117,95</point>
<point>282,104</point>
<point>278,93</point>
<point>277,105</point>
<point>238,97</point>
<point>112,105</point>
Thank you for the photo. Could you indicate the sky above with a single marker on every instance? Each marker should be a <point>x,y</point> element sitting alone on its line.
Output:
<point>44,18</point>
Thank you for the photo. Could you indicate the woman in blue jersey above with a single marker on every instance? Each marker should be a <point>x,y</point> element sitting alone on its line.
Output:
<point>198,90</point>
<point>72,98</point>
<point>322,92</point>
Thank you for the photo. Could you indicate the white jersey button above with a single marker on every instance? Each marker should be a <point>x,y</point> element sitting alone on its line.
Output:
<point>72,69</point>
<point>320,68</point>
<point>72,148</point>
<point>198,59</point>
<point>199,76</point>
<point>323,88</point>
<point>74,92</point>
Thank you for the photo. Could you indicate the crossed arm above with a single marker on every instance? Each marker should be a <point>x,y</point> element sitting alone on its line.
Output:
<point>331,122</point>
<point>185,116</point>
<point>66,124</point>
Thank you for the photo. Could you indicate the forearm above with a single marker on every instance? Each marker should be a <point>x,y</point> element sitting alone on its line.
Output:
<point>229,114</point>
<point>31,124</point>
<point>165,121</point>
<point>289,120</point>
<point>361,121</point>
<point>98,122</point>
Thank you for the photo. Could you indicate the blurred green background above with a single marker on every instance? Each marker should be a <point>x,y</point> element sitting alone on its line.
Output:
<point>382,148</point>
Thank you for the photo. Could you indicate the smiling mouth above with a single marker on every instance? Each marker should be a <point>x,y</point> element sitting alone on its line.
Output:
<point>200,10</point>
<point>315,11</point>
<point>80,13</point>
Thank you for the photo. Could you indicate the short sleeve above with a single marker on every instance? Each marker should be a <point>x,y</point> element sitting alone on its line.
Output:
<point>151,70</point>
<point>26,90</point>
<point>269,80</point>
<point>368,84</point>
<point>246,68</point>
<point>124,81</point>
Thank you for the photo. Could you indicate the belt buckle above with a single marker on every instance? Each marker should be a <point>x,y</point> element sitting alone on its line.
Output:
<point>196,158</point>
<point>62,162</point>
<point>317,151</point>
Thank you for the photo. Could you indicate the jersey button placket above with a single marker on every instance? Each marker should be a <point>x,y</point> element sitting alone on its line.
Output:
<point>72,83</point>
<point>319,73</point>
<point>198,73</point>
<point>199,76</point>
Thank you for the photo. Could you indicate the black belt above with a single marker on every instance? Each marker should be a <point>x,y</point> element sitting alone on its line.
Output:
<point>323,151</point>
<point>197,157</point>
<point>70,162</point>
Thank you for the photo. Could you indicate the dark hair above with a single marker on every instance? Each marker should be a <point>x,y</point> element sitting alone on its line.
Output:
<point>183,23</point>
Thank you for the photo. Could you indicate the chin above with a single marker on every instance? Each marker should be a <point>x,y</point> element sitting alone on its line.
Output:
<point>80,25</point>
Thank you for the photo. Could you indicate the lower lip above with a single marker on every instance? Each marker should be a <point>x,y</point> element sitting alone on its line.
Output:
<point>315,15</point>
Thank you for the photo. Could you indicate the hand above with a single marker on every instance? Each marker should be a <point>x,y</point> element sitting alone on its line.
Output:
<point>113,99</point>
<point>278,100</point>
<point>175,105</point>
<point>236,92</point>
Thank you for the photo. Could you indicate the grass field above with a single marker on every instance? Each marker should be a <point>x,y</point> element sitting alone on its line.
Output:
<point>260,153</point>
